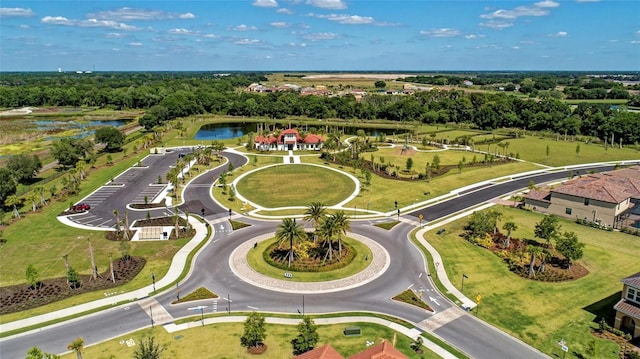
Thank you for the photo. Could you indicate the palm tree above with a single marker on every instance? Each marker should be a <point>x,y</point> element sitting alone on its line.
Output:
<point>509,227</point>
<point>288,231</point>
<point>327,231</point>
<point>115,213</point>
<point>342,225</point>
<point>13,201</point>
<point>77,346</point>
<point>34,198</point>
<point>314,214</point>
<point>39,190</point>
<point>535,251</point>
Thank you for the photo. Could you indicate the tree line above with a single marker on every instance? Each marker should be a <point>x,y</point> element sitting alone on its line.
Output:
<point>166,97</point>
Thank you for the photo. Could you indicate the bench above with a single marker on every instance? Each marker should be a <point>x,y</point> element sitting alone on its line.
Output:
<point>440,231</point>
<point>288,275</point>
<point>351,331</point>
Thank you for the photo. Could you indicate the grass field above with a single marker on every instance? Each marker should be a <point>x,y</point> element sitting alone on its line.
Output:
<point>295,185</point>
<point>562,153</point>
<point>223,341</point>
<point>543,313</point>
<point>382,193</point>
<point>256,261</point>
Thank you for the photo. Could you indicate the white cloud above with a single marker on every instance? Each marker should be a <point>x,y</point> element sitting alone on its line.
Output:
<point>579,1</point>
<point>507,17</point>
<point>547,3</point>
<point>560,34</point>
<point>15,12</point>
<point>265,3</point>
<point>638,33</point>
<point>115,35</point>
<point>25,26</point>
<point>516,47</point>
<point>279,24</point>
<point>318,36</point>
<point>135,44</point>
<point>328,4</point>
<point>527,42</point>
<point>443,32</point>
<point>285,11</point>
<point>473,36</point>
<point>243,27</point>
<point>182,31</point>
<point>247,42</point>
<point>347,19</point>
<point>128,14</point>
<point>496,24</point>
<point>61,20</point>
<point>634,42</point>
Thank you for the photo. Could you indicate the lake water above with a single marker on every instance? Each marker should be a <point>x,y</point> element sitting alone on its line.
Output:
<point>225,131</point>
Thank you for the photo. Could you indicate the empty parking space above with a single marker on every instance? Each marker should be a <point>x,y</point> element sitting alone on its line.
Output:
<point>149,194</point>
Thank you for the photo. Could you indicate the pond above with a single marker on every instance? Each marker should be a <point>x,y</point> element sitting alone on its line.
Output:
<point>226,131</point>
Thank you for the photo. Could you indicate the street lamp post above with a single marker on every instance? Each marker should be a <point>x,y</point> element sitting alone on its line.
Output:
<point>463,277</point>
<point>153,279</point>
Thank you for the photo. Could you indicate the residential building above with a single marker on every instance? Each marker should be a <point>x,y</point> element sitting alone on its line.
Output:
<point>628,308</point>
<point>384,350</point>
<point>289,140</point>
<point>605,198</point>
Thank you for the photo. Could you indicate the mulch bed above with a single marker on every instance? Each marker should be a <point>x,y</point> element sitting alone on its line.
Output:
<point>630,346</point>
<point>258,349</point>
<point>148,205</point>
<point>20,297</point>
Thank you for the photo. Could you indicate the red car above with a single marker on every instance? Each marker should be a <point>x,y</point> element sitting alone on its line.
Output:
<point>81,207</point>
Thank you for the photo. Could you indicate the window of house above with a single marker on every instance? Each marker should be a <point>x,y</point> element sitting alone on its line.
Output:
<point>586,201</point>
<point>633,295</point>
<point>567,211</point>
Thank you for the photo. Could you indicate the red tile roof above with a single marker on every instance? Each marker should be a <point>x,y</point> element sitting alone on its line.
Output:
<point>628,308</point>
<point>596,187</point>
<point>538,195</point>
<point>271,139</point>
<point>383,350</point>
<point>324,352</point>
<point>632,280</point>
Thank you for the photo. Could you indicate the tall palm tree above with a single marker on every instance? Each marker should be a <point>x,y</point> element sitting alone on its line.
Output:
<point>289,231</point>
<point>535,251</point>
<point>314,214</point>
<point>509,227</point>
<point>342,224</point>
<point>327,231</point>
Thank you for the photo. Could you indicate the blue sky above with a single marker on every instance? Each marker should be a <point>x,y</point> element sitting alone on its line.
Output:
<point>315,35</point>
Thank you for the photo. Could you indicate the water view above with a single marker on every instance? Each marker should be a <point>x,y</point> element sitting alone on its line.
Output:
<point>225,131</point>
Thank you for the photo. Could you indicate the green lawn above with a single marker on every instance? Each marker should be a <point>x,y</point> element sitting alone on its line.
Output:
<point>563,153</point>
<point>223,341</point>
<point>382,193</point>
<point>542,313</point>
<point>295,185</point>
<point>359,263</point>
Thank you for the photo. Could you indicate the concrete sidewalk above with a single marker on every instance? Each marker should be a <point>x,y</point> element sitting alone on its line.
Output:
<point>177,265</point>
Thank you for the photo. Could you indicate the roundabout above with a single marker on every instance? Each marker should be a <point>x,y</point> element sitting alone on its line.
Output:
<point>238,264</point>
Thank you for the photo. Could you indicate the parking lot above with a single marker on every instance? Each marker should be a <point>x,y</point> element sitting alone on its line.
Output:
<point>138,184</point>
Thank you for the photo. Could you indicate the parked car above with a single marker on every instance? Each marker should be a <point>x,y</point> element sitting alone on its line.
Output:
<point>81,207</point>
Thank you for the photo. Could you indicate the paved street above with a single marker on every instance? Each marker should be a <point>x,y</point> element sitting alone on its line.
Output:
<point>404,268</point>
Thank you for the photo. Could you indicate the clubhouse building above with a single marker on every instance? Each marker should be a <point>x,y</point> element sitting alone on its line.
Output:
<point>289,140</point>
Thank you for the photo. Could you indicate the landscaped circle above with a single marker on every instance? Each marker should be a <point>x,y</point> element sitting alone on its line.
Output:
<point>295,185</point>
<point>358,259</point>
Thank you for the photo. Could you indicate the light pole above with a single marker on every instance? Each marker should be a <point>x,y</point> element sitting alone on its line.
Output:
<point>153,279</point>
<point>463,277</point>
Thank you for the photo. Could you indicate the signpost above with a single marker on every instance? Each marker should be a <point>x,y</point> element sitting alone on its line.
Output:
<point>563,347</point>
<point>421,218</point>
<point>200,309</point>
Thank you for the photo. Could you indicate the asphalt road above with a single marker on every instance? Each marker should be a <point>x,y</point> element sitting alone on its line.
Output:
<point>211,269</point>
